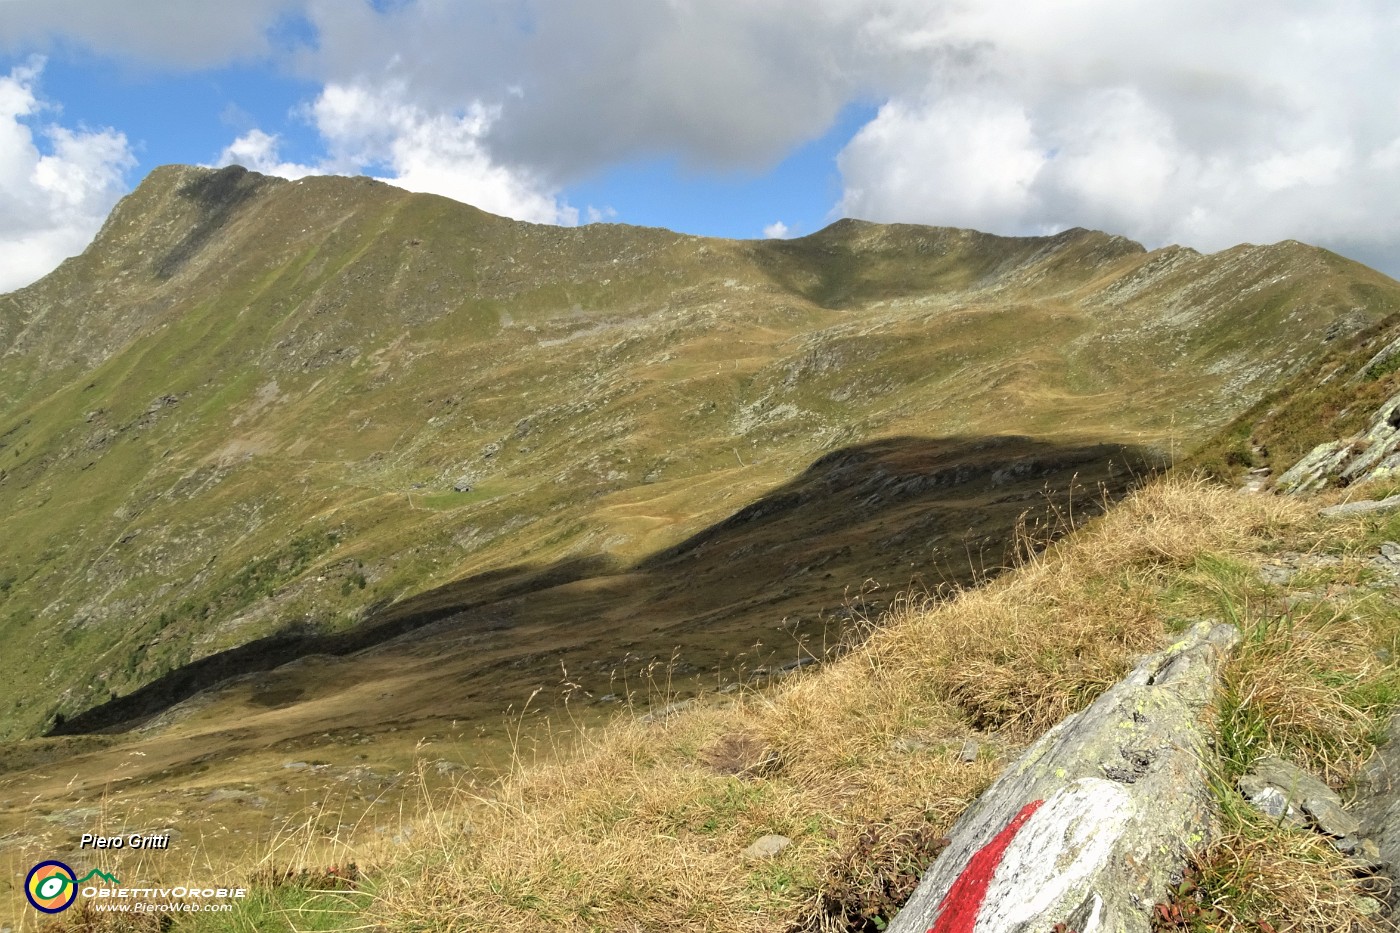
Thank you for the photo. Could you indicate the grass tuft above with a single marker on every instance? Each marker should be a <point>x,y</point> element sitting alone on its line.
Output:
<point>1260,877</point>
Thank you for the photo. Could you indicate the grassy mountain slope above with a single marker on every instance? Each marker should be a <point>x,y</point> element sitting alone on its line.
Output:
<point>1331,399</point>
<point>643,825</point>
<point>861,764</point>
<point>309,480</point>
<point>244,409</point>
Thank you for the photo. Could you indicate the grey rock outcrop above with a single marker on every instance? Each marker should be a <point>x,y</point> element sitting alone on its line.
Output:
<point>1386,354</point>
<point>1312,472</point>
<point>1282,789</point>
<point>1361,507</point>
<point>1371,455</point>
<point>1378,806</point>
<point>1094,821</point>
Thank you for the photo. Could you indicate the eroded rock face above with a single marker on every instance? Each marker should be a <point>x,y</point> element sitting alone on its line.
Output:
<point>1090,826</point>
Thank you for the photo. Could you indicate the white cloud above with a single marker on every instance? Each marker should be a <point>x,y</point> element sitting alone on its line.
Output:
<point>369,129</point>
<point>727,83</point>
<point>777,230</point>
<point>259,151</point>
<point>179,33</point>
<point>598,215</point>
<point>965,160</point>
<point>1319,165</point>
<point>55,190</point>
<point>1193,122</point>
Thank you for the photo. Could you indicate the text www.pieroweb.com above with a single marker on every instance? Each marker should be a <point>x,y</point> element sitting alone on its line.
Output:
<point>170,907</point>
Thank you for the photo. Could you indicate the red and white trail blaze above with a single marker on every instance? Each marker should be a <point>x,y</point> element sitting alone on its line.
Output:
<point>958,912</point>
<point>1038,860</point>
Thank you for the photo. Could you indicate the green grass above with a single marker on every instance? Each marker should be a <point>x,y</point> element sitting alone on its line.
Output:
<point>284,909</point>
<point>1315,684</point>
<point>1257,874</point>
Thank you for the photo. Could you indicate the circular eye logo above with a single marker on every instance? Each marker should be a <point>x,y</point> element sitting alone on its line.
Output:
<point>51,887</point>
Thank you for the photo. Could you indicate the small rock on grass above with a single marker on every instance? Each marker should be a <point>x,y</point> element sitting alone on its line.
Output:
<point>1363,852</point>
<point>767,846</point>
<point>1303,791</point>
<point>1274,804</point>
<point>666,712</point>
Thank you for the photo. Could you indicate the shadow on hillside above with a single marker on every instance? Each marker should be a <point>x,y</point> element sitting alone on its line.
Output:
<point>218,196</point>
<point>904,511</point>
<point>273,651</point>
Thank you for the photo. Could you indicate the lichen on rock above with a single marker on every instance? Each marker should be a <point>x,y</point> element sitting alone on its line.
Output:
<point>1093,822</point>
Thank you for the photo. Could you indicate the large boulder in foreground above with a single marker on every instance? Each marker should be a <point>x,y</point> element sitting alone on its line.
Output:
<point>1092,824</point>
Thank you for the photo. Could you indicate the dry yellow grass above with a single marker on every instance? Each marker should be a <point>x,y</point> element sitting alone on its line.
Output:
<point>1271,878</point>
<point>642,826</point>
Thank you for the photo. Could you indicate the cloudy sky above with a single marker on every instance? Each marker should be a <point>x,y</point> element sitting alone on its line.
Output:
<point>1200,122</point>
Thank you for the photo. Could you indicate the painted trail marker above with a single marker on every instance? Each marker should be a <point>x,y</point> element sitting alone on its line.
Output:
<point>1093,822</point>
